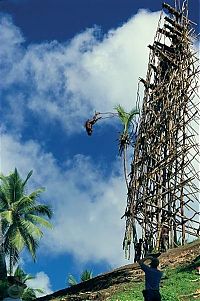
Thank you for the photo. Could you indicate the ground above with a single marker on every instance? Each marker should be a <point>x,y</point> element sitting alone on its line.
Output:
<point>181,281</point>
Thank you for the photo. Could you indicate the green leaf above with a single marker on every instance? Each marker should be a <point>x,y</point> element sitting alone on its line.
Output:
<point>7,215</point>
<point>27,178</point>
<point>86,275</point>
<point>39,220</point>
<point>71,280</point>
<point>31,229</point>
<point>22,216</point>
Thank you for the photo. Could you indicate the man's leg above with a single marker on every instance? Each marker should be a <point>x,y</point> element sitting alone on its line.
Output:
<point>147,295</point>
<point>157,296</point>
<point>150,295</point>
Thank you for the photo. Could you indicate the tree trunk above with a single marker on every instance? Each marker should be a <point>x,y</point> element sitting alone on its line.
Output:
<point>3,271</point>
<point>125,165</point>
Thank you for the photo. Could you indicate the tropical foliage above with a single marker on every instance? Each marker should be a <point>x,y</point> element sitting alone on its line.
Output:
<point>86,275</point>
<point>29,293</point>
<point>21,217</point>
<point>72,280</point>
<point>126,135</point>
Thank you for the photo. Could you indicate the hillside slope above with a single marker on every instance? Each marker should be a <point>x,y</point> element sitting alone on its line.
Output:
<point>105,286</point>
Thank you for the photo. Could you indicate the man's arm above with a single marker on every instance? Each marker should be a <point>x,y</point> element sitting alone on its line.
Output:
<point>141,261</point>
<point>143,266</point>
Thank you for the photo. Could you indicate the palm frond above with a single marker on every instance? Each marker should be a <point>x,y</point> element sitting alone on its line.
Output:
<point>13,259</point>
<point>30,228</point>
<point>22,276</point>
<point>121,113</point>
<point>86,275</point>
<point>39,220</point>
<point>7,216</point>
<point>31,244</point>
<point>72,280</point>
<point>29,294</point>
<point>24,203</point>
<point>132,115</point>
<point>13,239</point>
<point>27,178</point>
<point>126,118</point>
<point>3,199</point>
<point>35,194</point>
<point>40,210</point>
<point>15,186</point>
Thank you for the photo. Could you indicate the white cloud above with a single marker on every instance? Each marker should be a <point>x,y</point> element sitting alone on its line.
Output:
<point>65,82</point>
<point>41,281</point>
<point>87,204</point>
<point>12,39</point>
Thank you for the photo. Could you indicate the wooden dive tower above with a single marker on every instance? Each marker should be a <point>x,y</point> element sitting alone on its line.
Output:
<point>163,193</point>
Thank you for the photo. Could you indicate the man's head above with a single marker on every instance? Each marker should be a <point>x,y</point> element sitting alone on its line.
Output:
<point>154,262</point>
<point>15,291</point>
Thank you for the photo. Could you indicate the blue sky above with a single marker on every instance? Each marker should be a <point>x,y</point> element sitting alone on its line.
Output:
<point>60,61</point>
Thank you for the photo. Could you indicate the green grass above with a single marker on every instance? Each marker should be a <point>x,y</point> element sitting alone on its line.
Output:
<point>182,281</point>
<point>177,282</point>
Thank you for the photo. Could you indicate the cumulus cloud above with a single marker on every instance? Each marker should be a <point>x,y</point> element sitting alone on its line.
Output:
<point>87,204</point>
<point>40,281</point>
<point>66,81</point>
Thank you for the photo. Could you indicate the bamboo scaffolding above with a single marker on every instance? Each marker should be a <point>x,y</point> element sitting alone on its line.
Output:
<point>164,176</point>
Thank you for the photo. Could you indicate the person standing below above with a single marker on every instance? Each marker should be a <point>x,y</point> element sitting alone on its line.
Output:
<point>15,289</point>
<point>145,246</point>
<point>152,279</point>
<point>164,239</point>
<point>138,250</point>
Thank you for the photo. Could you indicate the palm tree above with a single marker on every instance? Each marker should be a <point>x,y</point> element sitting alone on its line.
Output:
<point>125,136</point>
<point>86,275</point>
<point>22,217</point>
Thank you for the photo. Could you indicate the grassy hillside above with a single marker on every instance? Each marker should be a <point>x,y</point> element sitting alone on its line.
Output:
<point>181,282</point>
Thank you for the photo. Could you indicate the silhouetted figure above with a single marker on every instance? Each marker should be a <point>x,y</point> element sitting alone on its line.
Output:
<point>164,66</point>
<point>198,231</point>
<point>150,243</point>
<point>164,239</point>
<point>90,122</point>
<point>145,246</point>
<point>138,250</point>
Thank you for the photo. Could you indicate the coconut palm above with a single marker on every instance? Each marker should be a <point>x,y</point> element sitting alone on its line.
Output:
<point>22,217</point>
<point>125,137</point>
